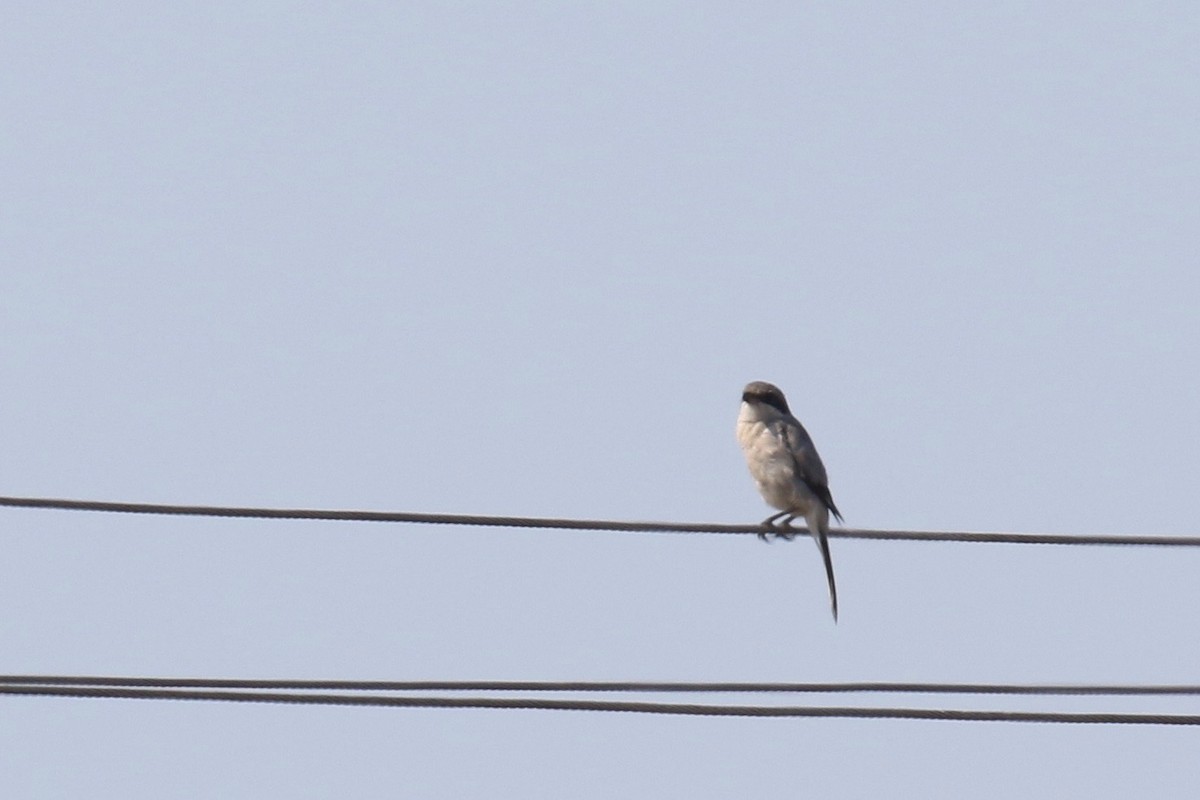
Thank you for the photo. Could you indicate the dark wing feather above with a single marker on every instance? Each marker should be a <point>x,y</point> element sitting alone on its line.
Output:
<point>809,468</point>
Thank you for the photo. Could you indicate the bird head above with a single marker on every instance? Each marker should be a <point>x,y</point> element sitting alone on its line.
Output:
<point>767,394</point>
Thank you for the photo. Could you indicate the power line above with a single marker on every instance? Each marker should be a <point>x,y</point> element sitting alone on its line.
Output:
<point>681,709</point>
<point>582,524</point>
<point>710,687</point>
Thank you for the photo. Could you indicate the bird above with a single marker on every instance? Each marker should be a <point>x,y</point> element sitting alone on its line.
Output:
<point>789,473</point>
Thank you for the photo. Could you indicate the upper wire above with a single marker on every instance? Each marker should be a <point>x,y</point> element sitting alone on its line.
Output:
<point>700,687</point>
<point>583,524</point>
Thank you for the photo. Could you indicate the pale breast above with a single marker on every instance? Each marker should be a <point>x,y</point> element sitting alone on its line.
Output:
<point>772,466</point>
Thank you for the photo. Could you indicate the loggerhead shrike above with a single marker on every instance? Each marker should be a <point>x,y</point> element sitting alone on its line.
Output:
<point>787,469</point>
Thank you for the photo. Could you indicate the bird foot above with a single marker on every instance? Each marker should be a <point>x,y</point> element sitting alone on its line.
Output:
<point>777,530</point>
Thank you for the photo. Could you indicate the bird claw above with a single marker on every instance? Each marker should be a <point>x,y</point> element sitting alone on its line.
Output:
<point>777,530</point>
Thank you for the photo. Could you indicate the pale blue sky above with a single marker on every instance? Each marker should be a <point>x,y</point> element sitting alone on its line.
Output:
<point>520,259</point>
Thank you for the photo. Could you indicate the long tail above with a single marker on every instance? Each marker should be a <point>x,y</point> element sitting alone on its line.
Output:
<point>821,536</point>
